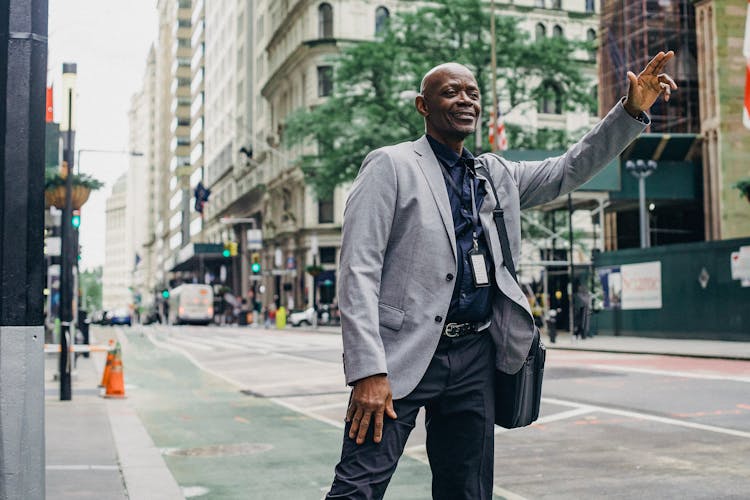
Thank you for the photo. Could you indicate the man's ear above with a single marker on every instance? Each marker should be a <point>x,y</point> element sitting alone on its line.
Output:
<point>421,105</point>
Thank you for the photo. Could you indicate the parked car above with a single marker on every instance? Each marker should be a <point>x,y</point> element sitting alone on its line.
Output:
<point>120,317</point>
<point>298,318</point>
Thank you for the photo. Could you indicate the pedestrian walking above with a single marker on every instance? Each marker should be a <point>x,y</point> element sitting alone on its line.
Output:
<point>428,309</point>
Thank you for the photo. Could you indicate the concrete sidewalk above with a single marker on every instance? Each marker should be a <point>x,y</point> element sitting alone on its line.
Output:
<point>96,447</point>
<point>716,349</point>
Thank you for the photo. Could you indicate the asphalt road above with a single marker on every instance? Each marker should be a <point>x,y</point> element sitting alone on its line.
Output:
<point>252,413</point>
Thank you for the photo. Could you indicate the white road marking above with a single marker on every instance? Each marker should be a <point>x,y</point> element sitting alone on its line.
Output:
<point>563,415</point>
<point>653,371</point>
<point>653,418</point>
<point>83,467</point>
<point>339,404</point>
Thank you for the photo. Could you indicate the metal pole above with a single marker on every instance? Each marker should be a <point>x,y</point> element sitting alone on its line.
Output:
<point>66,267</point>
<point>571,266</point>
<point>645,243</point>
<point>23,70</point>
<point>493,78</point>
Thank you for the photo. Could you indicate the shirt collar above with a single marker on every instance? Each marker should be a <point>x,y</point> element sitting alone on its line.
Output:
<point>446,155</point>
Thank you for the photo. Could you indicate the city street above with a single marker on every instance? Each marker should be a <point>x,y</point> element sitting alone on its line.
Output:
<point>252,413</point>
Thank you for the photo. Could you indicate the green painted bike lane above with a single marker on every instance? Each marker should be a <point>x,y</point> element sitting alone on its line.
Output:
<point>222,444</point>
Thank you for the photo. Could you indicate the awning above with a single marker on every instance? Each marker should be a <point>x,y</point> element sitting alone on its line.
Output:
<point>191,256</point>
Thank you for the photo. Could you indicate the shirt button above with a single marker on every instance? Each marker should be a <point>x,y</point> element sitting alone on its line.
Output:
<point>438,319</point>
<point>449,277</point>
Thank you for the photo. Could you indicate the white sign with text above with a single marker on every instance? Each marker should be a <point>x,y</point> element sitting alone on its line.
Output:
<point>641,285</point>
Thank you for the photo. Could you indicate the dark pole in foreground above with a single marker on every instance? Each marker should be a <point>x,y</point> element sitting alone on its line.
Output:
<point>23,75</point>
<point>68,254</point>
<point>571,267</point>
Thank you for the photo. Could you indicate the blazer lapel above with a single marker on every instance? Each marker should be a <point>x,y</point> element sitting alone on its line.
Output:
<point>430,167</point>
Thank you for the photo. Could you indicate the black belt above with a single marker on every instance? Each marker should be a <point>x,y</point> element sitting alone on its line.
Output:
<point>453,330</point>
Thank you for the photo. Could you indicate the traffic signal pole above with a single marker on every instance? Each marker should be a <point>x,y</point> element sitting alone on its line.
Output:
<point>23,72</point>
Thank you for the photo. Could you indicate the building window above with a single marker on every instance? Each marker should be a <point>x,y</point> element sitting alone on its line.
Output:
<point>541,31</point>
<point>589,5</point>
<point>325,211</point>
<point>325,21</point>
<point>551,99</point>
<point>557,31</point>
<point>327,255</point>
<point>325,81</point>
<point>381,19</point>
<point>556,4</point>
<point>539,3</point>
<point>591,38</point>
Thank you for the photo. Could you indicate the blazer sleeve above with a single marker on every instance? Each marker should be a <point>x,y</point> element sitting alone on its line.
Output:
<point>542,181</point>
<point>368,218</point>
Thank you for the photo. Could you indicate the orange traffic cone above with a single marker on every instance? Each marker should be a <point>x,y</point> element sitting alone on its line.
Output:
<point>108,365</point>
<point>115,381</point>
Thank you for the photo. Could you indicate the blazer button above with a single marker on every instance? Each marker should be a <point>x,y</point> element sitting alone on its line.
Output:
<point>449,277</point>
<point>438,319</point>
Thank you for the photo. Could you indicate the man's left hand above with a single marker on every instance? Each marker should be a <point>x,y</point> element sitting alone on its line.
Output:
<point>649,84</point>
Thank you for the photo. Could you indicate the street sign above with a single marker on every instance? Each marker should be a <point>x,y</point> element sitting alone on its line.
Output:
<point>740,265</point>
<point>53,246</point>
<point>254,239</point>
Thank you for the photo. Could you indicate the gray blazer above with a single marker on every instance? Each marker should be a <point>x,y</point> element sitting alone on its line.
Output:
<point>398,247</point>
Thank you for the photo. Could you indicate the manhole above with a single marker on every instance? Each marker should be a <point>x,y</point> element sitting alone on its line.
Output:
<point>194,491</point>
<point>220,450</point>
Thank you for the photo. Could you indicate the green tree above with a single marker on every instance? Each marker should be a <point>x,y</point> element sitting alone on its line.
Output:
<point>375,83</point>
<point>91,289</point>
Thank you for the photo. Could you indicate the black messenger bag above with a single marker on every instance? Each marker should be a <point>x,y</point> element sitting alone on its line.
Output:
<point>518,395</point>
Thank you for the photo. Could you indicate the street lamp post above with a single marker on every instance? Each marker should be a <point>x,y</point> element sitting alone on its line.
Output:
<point>67,236</point>
<point>106,151</point>
<point>641,169</point>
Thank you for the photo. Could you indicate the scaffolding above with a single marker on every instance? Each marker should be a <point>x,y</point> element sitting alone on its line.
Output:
<point>632,32</point>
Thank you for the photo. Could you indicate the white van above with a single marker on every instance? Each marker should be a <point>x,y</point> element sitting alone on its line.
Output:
<point>191,303</point>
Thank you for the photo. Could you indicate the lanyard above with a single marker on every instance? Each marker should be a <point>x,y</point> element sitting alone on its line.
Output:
<point>459,192</point>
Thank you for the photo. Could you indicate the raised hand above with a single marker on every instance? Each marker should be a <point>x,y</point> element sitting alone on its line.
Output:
<point>645,88</point>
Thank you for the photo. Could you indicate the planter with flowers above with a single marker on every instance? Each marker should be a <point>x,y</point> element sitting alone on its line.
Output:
<point>54,189</point>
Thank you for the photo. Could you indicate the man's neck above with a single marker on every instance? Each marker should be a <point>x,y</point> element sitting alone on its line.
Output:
<point>456,145</point>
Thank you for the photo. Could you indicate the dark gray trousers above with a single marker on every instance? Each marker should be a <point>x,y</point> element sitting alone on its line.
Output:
<point>457,393</point>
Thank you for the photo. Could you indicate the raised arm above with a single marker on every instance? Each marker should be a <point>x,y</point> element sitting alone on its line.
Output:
<point>539,182</point>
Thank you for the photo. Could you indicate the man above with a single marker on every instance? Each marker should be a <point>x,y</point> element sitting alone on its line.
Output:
<point>428,309</point>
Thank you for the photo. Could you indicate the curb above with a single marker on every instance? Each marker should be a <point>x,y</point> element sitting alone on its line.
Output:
<point>142,465</point>
<point>613,350</point>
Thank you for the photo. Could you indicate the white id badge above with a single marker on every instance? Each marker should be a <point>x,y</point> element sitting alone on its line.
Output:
<point>479,269</point>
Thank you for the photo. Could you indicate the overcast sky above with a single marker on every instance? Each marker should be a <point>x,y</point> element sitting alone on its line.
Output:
<point>109,40</point>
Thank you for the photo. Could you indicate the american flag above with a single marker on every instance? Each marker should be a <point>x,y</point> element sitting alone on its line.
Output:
<point>499,130</point>
<point>746,53</point>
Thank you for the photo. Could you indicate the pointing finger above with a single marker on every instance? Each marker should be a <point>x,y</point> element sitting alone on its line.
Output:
<point>652,67</point>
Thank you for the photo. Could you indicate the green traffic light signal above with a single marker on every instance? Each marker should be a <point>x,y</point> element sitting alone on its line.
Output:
<point>226,252</point>
<point>76,220</point>
<point>255,267</point>
<point>165,294</point>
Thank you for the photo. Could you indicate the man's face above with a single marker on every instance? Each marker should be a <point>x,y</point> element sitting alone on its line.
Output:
<point>450,102</point>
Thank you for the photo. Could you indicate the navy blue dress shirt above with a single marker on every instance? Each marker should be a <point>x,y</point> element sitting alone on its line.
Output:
<point>468,303</point>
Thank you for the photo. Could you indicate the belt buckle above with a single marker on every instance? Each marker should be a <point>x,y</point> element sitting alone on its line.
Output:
<point>449,330</point>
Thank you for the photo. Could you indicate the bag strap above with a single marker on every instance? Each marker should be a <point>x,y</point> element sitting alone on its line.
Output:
<point>502,231</point>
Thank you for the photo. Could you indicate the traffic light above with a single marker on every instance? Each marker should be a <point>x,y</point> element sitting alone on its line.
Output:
<point>226,252</point>
<point>76,219</point>
<point>165,293</point>
<point>255,266</point>
<point>232,248</point>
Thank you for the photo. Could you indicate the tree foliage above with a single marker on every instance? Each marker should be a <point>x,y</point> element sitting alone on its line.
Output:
<point>376,81</point>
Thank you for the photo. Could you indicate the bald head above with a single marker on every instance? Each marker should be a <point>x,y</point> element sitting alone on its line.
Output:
<point>450,103</point>
<point>437,74</point>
